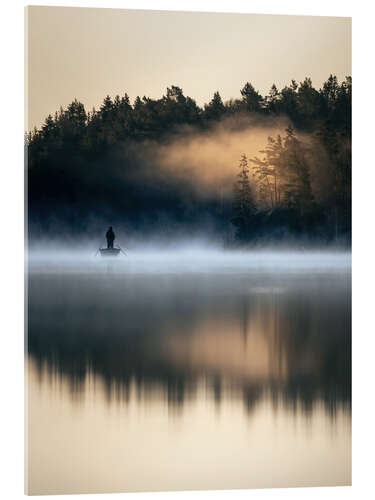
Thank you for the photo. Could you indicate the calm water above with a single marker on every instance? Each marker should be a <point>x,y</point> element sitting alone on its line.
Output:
<point>232,373</point>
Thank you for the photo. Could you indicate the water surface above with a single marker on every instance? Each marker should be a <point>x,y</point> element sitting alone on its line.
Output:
<point>147,374</point>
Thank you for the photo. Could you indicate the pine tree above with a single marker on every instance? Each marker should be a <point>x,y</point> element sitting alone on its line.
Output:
<point>297,186</point>
<point>251,98</point>
<point>283,176</point>
<point>244,206</point>
<point>273,100</point>
<point>215,109</point>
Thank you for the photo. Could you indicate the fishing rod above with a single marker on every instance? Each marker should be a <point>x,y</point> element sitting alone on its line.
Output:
<point>122,250</point>
<point>124,246</point>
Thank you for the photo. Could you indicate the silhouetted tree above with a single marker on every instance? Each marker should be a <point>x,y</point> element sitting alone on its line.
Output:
<point>252,100</point>
<point>296,176</point>
<point>243,205</point>
<point>283,176</point>
<point>273,100</point>
<point>215,109</point>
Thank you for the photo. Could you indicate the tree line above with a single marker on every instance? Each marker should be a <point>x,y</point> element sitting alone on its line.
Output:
<point>300,183</point>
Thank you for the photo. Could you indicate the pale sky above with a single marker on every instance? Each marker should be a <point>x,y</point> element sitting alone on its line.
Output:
<point>88,53</point>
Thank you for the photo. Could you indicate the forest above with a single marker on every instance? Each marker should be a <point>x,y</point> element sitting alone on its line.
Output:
<point>90,169</point>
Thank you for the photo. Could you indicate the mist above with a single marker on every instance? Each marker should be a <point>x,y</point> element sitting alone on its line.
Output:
<point>154,192</point>
<point>209,159</point>
<point>164,189</point>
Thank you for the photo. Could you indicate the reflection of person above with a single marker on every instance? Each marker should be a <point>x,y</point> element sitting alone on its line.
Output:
<point>110,235</point>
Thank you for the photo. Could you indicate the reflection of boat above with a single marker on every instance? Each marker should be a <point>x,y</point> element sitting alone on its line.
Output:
<point>109,252</point>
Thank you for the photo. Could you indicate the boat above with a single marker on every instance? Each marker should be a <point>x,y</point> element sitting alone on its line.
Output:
<point>109,252</point>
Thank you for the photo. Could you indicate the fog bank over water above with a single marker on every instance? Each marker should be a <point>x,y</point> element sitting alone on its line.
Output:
<point>182,259</point>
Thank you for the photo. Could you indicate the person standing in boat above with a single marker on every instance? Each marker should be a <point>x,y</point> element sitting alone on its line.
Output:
<point>110,235</point>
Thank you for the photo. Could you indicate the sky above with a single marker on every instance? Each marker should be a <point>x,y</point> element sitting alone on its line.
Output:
<point>88,53</point>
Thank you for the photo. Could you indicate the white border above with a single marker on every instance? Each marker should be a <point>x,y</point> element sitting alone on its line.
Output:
<point>11,256</point>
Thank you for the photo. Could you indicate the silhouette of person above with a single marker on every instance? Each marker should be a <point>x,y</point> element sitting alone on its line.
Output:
<point>110,235</point>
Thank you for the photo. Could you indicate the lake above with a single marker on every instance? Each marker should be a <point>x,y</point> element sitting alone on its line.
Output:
<point>188,371</point>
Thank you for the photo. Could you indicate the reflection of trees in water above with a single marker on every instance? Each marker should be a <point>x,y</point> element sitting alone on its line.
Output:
<point>122,341</point>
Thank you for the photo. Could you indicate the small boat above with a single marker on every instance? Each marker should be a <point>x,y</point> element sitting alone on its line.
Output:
<point>109,252</point>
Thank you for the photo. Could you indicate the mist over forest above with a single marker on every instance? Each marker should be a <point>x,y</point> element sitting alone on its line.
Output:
<point>249,171</point>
